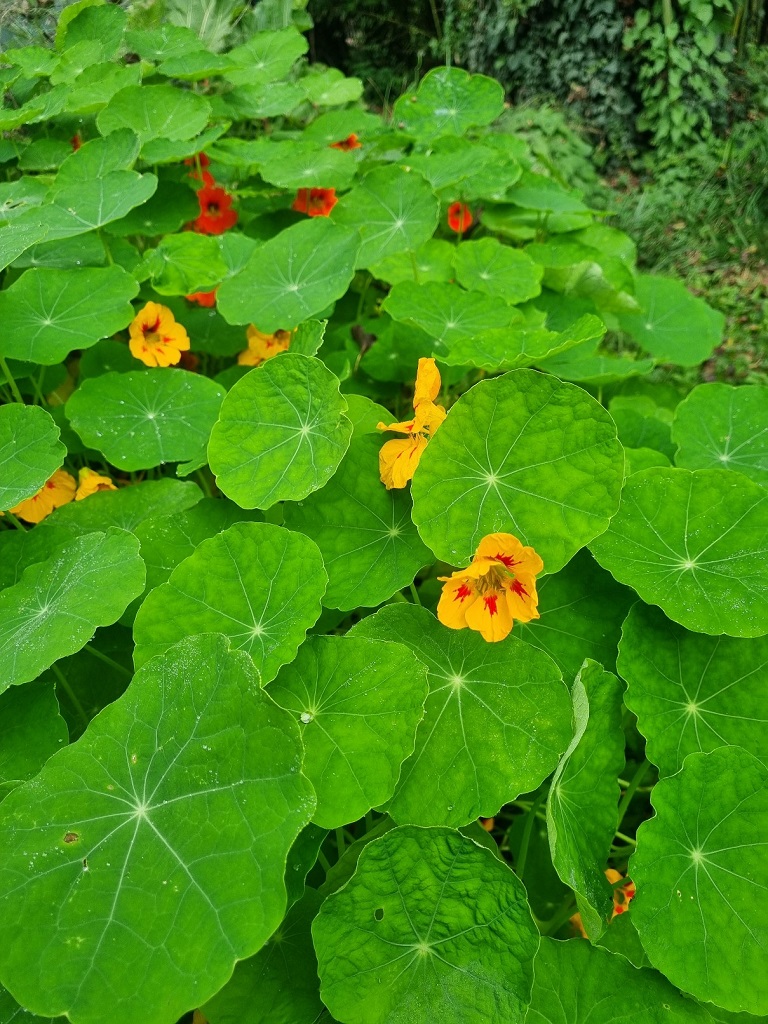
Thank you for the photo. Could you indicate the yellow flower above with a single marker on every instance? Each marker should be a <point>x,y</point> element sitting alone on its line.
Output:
<point>59,490</point>
<point>263,346</point>
<point>156,338</point>
<point>498,587</point>
<point>622,894</point>
<point>90,482</point>
<point>398,459</point>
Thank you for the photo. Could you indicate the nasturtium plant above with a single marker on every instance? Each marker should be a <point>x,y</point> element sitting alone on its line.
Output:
<point>383,600</point>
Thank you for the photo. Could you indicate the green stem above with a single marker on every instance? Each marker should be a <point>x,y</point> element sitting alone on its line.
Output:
<point>563,914</point>
<point>527,830</point>
<point>398,598</point>
<point>325,864</point>
<point>414,265</point>
<point>415,594</point>
<point>12,519</point>
<point>340,842</point>
<point>107,251</point>
<point>626,839</point>
<point>108,661</point>
<point>203,481</point>
<point>71,694</point>
<point>631,789</point>
<point>11,381</point>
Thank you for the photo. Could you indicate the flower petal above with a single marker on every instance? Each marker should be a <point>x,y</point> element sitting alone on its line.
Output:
<point>398,460</point>
<point>427,382</point>
<point>490,616</point>
<point>458,595</point>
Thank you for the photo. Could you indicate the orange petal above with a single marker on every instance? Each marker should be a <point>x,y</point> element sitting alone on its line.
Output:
<point>428,416</point>
<point>522,598</point>
<point>406,427</point>
<point>458,595</point>
<point>427,382</point>
<point>398,460</point>
<point>490,616</point>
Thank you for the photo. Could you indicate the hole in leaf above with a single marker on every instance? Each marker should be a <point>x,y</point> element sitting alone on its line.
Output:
<point>71,837</point>
<point>379,913</point>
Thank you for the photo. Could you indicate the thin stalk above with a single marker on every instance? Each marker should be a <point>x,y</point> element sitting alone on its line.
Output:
<point>631,789</point>
<point>11,381</point>
<point>415,594</point>
<point>203,481</point>
<point>414,265</point>
<point>340,842</point>
<point>556,923</point>
<point>71,694</point>
<point>109,661</point>
<point>527,830</point>
<point>12,519</point>
<point>105,245</point>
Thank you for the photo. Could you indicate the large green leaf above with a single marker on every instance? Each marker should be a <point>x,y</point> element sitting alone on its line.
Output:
<point>581,610</point>
<point>582,806</point>
<point>126,507</point>
<point>448,101</point>
<point>369,545</point>
<point>30,451</point>
<point>694,544</point>
<point>47,313</point>
<point>432,261</point>
<point>155,112</point>
<point>22,234</point>
<point>430,927</point>
<point>577,983</point>
<point>21,548</point>
<point>267,56</point>
<point>692,692</point>
<point>393,210</point>
<point>155,846</point>
<point>258,584</point>
<point>359,702</point>
<point>117,152</point>
<point>701,907</point>
<point>497,719</point>
<point>146,418</point>
<point>12,1013</point>
<point>718,425</point>
<point>167,210</point>
<point>281,434</point>
<point>56,606</point>
<point>31,730</point>
<point>488,266</point>
<point>523,454</point>
<point>293,165</point>
<point>279,985</point>
<point>672,324</point>
<point>545,195</point>
<point>292,277</point>
<point>184,263</point>
<point>446,311</point>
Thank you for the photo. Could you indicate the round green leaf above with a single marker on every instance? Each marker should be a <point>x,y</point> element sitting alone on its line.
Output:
<point>430,926</point>
<point>167,210</point>
<point>279,985</point>
<point>292,277</point>
<point>31,730</point>
<point>147,418</point>
<point>118,152</point>
<point>155,112</point>
<point>488,266</point>
<point>672,324</point>
<point>369,545</point>
<point>258,584</point>
<point>393,210</point>
<point>523,454</point>
<point>30,451</point>
<point>638,459</point>
<point>293,164</point>
<point>448,101</point>
<point>359,702</point>
<point>433,259</point>
<point>56,606</point>
<point>47,313</point>
<point>126,507</point>
<point>155,846</point>
<point>718,425</point>
<point>267,56</point>
<point>281,434</point>
<point>497,719</point>
<point>85,206</point>
<point>577,983</point>
<point>12,1013</point>
<point>582,806</point>
<point>584,363</point>
<point>446,311</point>
<point>21,235</point>
<point>184,263</point>
<point>701,908</point>
<point>692,692</point>
<point>22,548</point>
<point>694,544</point>
<point>543,194</point>
<point>162,42</point>
<point>581,611</point>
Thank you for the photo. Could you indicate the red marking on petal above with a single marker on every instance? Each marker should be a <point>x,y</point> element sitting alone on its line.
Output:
<point>519,589</point>
<point>507,560</point>
<point>462,593</point>
<point>490,603</point>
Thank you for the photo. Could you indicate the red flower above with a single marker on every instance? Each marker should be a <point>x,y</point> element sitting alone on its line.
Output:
<point>203,298</point>
<point>351,142</point>
<point>76,142</point>
<point>315,202</point>
<point>460,217</point>
<point>215,213</point>
<point>202,160</point>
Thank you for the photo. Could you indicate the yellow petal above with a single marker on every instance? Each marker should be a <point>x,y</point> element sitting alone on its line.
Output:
<point>406,427</point>
<point>490,616</point>
<point>90,482</point>
<point>428,417</point>
<point>57,491</point>
<point>398,460</point>
<point>427,382</point>
<point>522,598</point>
<point>458,594</point>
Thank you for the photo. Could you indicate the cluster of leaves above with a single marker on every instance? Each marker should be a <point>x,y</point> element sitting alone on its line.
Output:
<point>233,735</point>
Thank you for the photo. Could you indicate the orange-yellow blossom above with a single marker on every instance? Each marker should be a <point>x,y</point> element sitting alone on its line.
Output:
<point>156,338</point>
<point>398,459</point>
<point>498,587</point>
<point>622,894</point>
<point>89,482</point>
<point>59,490</point>
<point>263,346</point>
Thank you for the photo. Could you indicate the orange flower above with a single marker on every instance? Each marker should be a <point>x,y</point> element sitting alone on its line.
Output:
<point>207,299</point>
<point>460,217</point>
<point>59,490</point>
<point>497,588</point>
<point>622,894</point>
<point>90,482</point>
<point>351,142</point>
<point>315,202</point>
<point>156,338</point>
<point>398,459</point>
<point>263,346</point>
<point>215,214</point>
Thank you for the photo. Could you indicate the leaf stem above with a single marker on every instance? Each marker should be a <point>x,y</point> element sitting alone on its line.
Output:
<point>631,789</point>
<point>563,914</point>
<point>71,694</point>
<point>11,381</point>
<point>340,842</point>
<point>415,594</point>
<point>12,519</point>
<point>108,661</point>
<point>527,830</point>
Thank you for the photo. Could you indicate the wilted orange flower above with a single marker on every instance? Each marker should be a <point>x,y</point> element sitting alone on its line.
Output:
<point>351,142</point>
<point>216,215</point>
<point>263,346</point>
<point>498,587</point>
<point>90,482</point>
<point>315,202</point>
<point>156,338</point>
<point>59,490</point>
<point>398,459</point>
<point>622,894</point>
<point>207,299</point>
<point>460,217</point>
